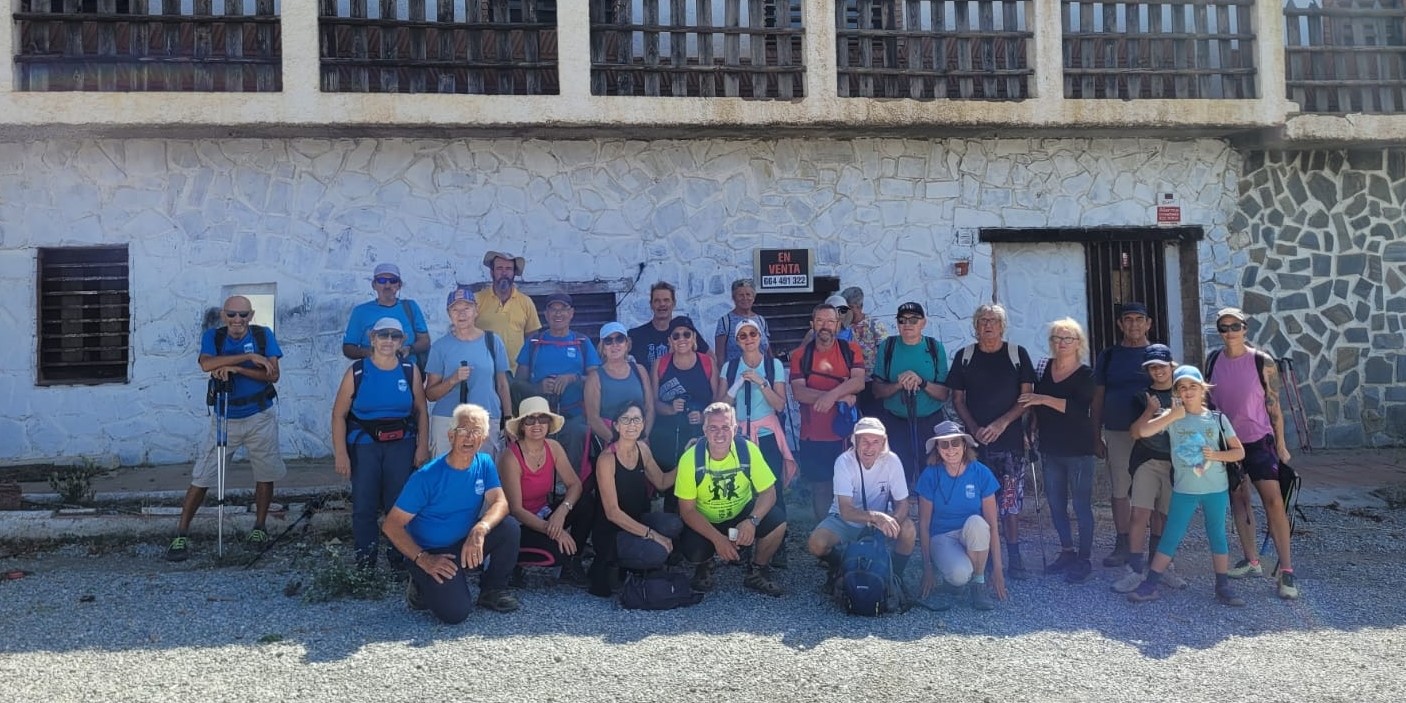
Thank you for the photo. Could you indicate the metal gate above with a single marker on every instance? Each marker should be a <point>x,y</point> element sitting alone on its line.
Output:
<point>1121,271</point>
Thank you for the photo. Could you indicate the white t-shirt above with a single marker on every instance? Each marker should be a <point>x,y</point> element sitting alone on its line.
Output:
<point>884,482</point>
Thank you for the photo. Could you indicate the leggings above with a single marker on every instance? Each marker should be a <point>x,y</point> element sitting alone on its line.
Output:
<point>1213,509</point>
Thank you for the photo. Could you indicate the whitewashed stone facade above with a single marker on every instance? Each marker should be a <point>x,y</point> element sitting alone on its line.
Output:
<point>312,216</point>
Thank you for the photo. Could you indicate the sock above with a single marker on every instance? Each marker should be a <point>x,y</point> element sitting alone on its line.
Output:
<point>1222,581</point>
<point>978,578</point>
<point>1286,571</point>
<point>1254,561</point>
<point>1153,577</point>
<point>1120,544</point>
<point>1152,542</point>
<point>899,562</point>
<point>1013,550</point>
<point>1135,562</point>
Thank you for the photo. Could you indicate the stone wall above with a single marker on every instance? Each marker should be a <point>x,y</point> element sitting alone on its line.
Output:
<point>312,217</point>
<point>1327,263</point>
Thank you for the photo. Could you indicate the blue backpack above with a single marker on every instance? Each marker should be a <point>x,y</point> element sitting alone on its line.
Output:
<point>866,569</point>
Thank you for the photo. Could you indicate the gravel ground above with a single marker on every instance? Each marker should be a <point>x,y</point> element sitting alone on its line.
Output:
<point>124,625</point>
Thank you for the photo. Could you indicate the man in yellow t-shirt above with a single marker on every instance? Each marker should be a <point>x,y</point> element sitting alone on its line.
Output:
<point>727,503</point>
<point>502,308</point>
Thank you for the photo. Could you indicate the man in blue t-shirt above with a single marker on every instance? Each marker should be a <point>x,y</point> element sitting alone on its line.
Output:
<point>356,341</point>
<point>242,360</point>
<point>555,362</point>
<point>1120,379</point>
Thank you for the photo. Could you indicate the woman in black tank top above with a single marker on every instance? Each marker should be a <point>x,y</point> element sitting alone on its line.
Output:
<point>625,473</point>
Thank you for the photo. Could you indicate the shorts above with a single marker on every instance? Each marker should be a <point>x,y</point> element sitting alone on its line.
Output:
<point>258,434</point>
<point>1120,452</point>
<point>817,460</point>
<point>1261,460</point>
<point>1010,470</point>
<point>697,548</point>
<point>845,531</point>
<point>1152,485</point>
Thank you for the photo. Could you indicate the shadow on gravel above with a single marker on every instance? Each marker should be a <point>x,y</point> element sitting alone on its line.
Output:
<point>132,601</point>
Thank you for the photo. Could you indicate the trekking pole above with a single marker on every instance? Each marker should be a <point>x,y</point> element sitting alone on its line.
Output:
<point>221,444</point>
<point>1032,461</point>
<point>1295,400</point>
<point>309,509</point>
<point>463,385</point>
<point>910,403</point>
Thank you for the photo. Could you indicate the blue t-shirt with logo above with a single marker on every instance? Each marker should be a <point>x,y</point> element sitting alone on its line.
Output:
<point>383,395</point>
<point>244,387</point>
<point>955,498</point>
<point>548,355</point>
<point>364,317</point>
<point>446,501</point>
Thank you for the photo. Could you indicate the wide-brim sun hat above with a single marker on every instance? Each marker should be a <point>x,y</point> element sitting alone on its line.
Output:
<point>948,430</point>
<point>535,405</point>
<point>519,263</point>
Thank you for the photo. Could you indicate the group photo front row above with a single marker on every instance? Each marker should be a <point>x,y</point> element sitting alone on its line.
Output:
<point>633,464</point>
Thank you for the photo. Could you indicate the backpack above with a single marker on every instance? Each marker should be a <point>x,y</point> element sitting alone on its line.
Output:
<point>657,590</point>
<point>700,460</point>
<point>964,355</point>
<point>808,360</point>
<point>384,430</point>
<point>668,358</point>
<point>730,370</point>
<point>866,569</point>
<point>891,342</point>
<point>421,358</point>
<point>1261,359</point>
<point>261,343</point>
<point>535,339</point>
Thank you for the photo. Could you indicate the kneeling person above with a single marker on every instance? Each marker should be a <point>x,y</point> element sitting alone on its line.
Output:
<point>436,524</point>
<point>725,488</point>
<point>870,491</point>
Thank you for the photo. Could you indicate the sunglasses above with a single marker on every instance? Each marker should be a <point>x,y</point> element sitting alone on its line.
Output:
<point>747,335</point>
<point>842,309</point>
<point>951,443</point>
<point>909,320</point>
<point>1232,327</point>
<point>531,420</point>
<point>241,314</point>
<point>615,339</point>
<point>388,280</point>
<point>388,334</point>
<point>681,335</point>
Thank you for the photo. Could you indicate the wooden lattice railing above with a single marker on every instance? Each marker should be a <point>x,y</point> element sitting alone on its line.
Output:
<point>497,47</point>
<point>1343,56</point>
<point>922,49</point>
<point>697,48</point>
<point>1157,49</point>
<point>148,45</point>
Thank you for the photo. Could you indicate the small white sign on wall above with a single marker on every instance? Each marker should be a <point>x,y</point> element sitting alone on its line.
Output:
<point>1168,210</point>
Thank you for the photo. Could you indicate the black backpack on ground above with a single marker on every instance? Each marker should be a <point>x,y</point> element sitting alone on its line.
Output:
<point>657,590</point>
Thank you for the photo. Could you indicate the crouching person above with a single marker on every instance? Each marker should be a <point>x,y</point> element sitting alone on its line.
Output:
<point>436,524</point>
<point>870,491</point>
<point>727,499</point>
<point>957,509</point>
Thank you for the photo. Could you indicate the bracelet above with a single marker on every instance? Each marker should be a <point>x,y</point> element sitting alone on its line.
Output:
<point>416,560</point>
<point>566,504</point>
<point>648,531</point>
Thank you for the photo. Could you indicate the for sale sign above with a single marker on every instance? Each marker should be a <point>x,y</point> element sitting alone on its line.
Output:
<point>1168,210</point>
<point>784,270</point>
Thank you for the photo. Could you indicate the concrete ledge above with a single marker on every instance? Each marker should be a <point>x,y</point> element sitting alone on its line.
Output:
<point>27,525</point>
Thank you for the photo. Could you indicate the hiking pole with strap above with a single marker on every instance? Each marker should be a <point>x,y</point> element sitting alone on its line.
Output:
<point>464,385</point>
<point>1295,401</point>
<point>221,445</point>
<point>1032,455</point>
<point>309,509</point>
<point>910,403</point>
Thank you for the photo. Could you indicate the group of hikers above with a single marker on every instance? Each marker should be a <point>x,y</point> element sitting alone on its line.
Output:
<point>506,445</point>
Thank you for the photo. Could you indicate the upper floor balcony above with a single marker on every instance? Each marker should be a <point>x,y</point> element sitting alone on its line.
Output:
<point>1301,71</point>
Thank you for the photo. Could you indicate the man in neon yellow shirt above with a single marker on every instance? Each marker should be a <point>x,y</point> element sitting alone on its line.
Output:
<point>728,501</point>
<point>502,308</point>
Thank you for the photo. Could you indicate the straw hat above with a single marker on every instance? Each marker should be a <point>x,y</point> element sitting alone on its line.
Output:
<point>536,405</point>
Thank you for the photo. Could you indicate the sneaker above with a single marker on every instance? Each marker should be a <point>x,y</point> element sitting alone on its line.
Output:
<point>1288,587</point>
<point>256,536</point>
<point>499,600</point>
<point>1129,581</point>
<point>1226,596</point>
<point>179,549</point>
<point>761,580</point>
<point>1119,557</point>
<point>1064,561</point>
<point>412,596</point>
<point>1079,571</point>
<point>1244,569</point>
<point>1146,591</point>
<point>981,596</point>
<point>702,577</point>
<point>1171,579</point>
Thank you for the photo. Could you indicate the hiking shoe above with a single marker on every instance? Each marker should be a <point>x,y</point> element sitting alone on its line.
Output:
<point>518,579</point>
<point>1145,591</point>
<point>572,574</point>
<point>1288,587</point>
<point>256,536</point>
<point>761,580</point>
<point>702,577</point>
<point>1063,562</point>
<point>1015,568</point>
<point>1119,557</point>
<point>981,596</point>
<point>1244,569</point>
<point>1129,581</point>
<point>1226,596</point>
<point>1079,571</point>
<point>412,596</point>
<point>179,549</point>
<point>1170,579</point>
<point>500,600</point>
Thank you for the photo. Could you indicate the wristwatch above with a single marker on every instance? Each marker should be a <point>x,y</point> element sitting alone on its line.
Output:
<point>754,520</point>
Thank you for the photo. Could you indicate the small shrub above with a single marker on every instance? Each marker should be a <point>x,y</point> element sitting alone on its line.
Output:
<point>336,576</point>
<point>74,484</point>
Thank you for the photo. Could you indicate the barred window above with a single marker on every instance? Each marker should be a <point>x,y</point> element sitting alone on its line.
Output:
<point>84,316</point>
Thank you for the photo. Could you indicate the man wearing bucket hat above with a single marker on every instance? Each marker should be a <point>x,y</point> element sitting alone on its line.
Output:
<point>870,491</point>
<point>386,281</point>
<point>502,308</point>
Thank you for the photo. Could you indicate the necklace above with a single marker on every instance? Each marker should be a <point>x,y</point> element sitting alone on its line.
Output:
<point>951,488</point>
<point>534,460</point>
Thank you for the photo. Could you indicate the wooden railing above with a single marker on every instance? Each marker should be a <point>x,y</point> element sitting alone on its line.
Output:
<point>697,48</point>
<point>1343,56</point>
<point>148,45</point>
<point>494,47</point>
<point>925,49</point>
<point>1157,49</point>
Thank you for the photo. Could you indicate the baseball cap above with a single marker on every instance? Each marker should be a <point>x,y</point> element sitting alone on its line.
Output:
<point>391,269</point>
<point>564,298</point>
<point>911,308</point>
<point>1236,313</point>
<point>610,328</point>
<point>746,322</point>
<point>1187,373</point>
<point>870,425</point>
<point>460,293</point>
<point>387,323</point>
<point>837,300</point>
<point>1132,308</point>
<point>1157,354</point>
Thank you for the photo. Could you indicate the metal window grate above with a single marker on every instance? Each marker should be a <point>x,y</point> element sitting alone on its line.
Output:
<point>788,314</point>
<point>84,316</point>
<point>1122,271</point>
<point>592,311</point>
<point>1345,56</point>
